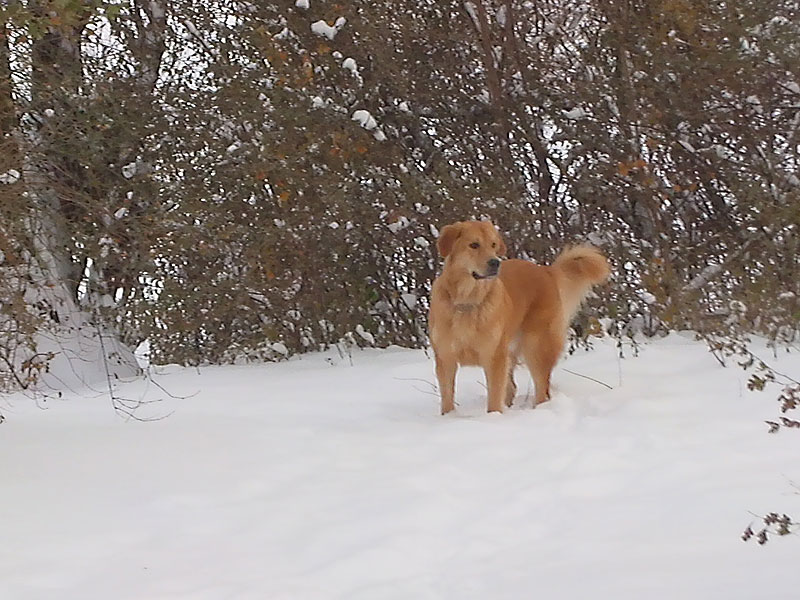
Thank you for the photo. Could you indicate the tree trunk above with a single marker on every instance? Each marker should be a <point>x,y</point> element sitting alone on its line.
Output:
<point>47,342</point>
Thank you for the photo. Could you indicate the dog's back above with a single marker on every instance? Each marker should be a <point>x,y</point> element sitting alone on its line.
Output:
<point>534,294</point>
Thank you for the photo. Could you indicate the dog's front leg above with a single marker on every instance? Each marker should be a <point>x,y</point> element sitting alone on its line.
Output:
<point>497,380</point>
<point>446,368</point>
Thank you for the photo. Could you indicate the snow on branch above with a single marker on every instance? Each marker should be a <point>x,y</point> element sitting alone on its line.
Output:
<point>322,29</point>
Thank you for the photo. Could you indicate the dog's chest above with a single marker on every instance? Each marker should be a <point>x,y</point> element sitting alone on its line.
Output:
<point>471,334</point>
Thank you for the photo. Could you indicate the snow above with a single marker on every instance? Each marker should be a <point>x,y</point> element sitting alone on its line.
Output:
<point>365,119</point>
<point>105,243</point>
<point>722,152</point>
<point>501,16</point>
<point>10,176</point>
<point>597,238</point>
<point>304,4</point>
<point>84,355</point>
<point>120,213</point>
<point>708,273</point>
<point>398,225</point>
<point>364,334</point>
<point>410,300</point>
<point>280,348</point>
<point>322,28</point>
<point>575,113</point>
<point>350,65</point>
<point>129,170</point>
<point>647,297</point>
<point>333,476</point>
<point>755,104</point>
<point>473,14</point>
<point>157,9</point>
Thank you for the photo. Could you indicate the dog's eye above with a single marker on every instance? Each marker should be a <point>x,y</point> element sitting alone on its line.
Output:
<point>494,244</point>
<point>474,245</point>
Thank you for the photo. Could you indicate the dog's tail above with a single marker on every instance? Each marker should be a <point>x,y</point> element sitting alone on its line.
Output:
<point>577,269</point>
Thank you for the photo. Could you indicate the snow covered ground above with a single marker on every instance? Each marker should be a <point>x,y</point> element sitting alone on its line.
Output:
<point>322,478</point>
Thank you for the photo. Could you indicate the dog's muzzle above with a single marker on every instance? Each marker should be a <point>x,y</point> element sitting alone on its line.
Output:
<point>492,268</point>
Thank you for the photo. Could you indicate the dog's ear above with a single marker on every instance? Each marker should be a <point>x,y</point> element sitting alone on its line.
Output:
<point>501,245</point>
<point>501,248</point>
<point>448,237</point>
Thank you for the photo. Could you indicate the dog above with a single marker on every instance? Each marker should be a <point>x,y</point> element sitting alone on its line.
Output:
<point>491,313</point>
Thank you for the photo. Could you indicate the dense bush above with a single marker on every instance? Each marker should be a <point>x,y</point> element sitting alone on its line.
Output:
<point>236,179</point>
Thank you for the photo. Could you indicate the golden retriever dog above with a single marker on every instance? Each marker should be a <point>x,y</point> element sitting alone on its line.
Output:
<point>491,314</point>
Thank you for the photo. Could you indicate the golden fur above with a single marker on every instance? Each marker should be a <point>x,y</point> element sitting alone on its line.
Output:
<point>481,317</point>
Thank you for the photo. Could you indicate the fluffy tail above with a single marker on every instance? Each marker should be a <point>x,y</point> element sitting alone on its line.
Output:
<point>577,269</point>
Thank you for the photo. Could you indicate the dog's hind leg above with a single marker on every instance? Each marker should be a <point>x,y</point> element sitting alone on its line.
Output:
<point>511,391</point>
<point>541,355</point>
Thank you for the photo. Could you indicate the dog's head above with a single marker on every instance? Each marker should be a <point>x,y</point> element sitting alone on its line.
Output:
<point>472,246</point>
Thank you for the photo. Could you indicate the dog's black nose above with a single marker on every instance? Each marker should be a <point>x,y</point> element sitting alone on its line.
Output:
<point>494,263</point>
